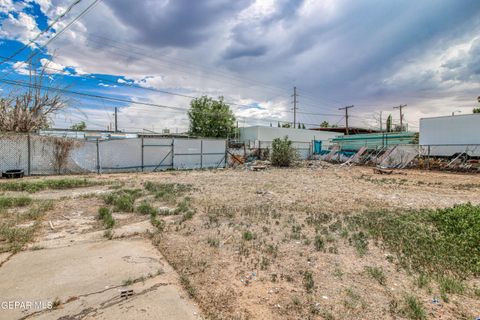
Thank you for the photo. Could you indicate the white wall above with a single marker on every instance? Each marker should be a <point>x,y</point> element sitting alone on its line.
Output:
<point>259,133</point>
<point>451,130</point>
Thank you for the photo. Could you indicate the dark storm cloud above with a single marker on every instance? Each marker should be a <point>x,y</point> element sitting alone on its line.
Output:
<point>178,23</point>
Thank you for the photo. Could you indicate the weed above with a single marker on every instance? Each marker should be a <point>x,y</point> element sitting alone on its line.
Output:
<point>15,237</point>
<point>42,184</point>
<point>308,282</point>
<point>10,202</point>
<point>296,232</point>
<point>352,299</point>
<point>157,223</point>
<point>105,215</point>
<point>318,243</point>
<point>248,235</point>
<point>108,234</point>
<point>359,240</point>
<point>213,242</point>
<point>439,241</point>
<point>56,303</point>
<point>448,285</point>
<point>146,209</point>
<point>413,308</point>
<point>167,192</point>
<point>185,282</point>
<point>422,280</point>
<point>338,273</point>
<point>128,282</point>
<point>377,274</point>
<point>123,200</point>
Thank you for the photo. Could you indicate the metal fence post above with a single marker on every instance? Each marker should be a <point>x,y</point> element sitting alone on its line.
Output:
<point>226,153</point>
<point>98,158</point>
<point>143,147</point>
<point>201,153</point>
<point>428,157</point>
<point>29,154</point>
<point>173,153</point>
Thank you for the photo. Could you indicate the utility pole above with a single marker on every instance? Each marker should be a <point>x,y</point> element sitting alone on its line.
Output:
<point>381,122</point>
<point>346,117</point>
<point>295,95</point>
<point>116,119</point>
<point>400,107</point>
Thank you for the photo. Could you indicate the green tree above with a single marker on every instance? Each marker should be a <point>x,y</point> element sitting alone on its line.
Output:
<point>476,110</point>
<point>324,124</point>
<point>389,123</point>
<point>211,118</point>
<point>286,125</point>
<point>303,126</point>
<point>79,126</point>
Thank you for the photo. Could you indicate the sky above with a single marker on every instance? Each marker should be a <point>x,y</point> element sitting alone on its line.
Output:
<point>149,58</point>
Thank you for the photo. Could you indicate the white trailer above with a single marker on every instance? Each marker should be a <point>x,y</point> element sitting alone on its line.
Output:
<point>451,135</point>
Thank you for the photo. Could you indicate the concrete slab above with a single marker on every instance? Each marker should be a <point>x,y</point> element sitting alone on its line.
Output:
<point>88,269</point>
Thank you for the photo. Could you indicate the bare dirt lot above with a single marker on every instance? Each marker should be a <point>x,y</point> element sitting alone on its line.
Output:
<point>272,244</point>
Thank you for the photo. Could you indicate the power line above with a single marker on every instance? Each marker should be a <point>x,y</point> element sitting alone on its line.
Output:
<point>33,54</point>
<point>133,85</point>
<point>32,41</point>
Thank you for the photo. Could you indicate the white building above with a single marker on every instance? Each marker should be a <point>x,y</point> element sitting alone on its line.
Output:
<point>262,137</point>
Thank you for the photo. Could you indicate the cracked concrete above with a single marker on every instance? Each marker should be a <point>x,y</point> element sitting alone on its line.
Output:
<point>86,273</point>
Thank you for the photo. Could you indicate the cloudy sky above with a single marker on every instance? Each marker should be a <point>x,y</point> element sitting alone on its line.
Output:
<point>150,57</point>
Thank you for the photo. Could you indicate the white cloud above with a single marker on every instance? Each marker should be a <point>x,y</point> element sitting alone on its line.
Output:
<point>22,28</point>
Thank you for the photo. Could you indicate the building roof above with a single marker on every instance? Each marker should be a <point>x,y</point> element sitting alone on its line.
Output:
<point>351,130</point>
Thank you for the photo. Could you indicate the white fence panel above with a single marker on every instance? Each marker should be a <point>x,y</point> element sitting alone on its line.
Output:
<point>213,153</point>
<point>187,154</point>
<point>157,154</point>
<point>120,155</point>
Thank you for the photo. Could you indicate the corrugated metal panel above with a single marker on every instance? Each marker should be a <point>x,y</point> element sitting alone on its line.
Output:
<point>374,140</point>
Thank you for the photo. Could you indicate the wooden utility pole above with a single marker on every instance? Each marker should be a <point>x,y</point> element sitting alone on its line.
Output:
<point>400,107</point>
<point>346,117</point>
<point>295,95</point>
<point>116,119</point>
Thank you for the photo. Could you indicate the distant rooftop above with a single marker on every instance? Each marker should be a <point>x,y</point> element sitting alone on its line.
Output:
<point>351,130</point>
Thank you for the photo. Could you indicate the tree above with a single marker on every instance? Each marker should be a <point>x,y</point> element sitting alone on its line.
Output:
<point>324,124</point>
<point>79,126</point>
<point>30,109</point>
<point>211,118</point>
<point>476,110</point>
<point>286,125</point>
<point>389,123</point>
<point>303,126</point>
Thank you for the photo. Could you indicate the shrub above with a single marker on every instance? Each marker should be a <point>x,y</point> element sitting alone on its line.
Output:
<point>105,215</point>
<point>308,281</point>
<point>146,209</point>
<point>283,154</point>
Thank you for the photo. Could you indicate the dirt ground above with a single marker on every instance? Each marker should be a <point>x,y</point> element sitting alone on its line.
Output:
<point>248,250</point>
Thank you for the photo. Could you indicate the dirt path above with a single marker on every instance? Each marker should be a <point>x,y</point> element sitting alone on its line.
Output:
<point>78,267</point>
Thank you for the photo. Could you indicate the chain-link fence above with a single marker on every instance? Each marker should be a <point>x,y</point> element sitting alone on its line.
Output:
<point>42,155</point>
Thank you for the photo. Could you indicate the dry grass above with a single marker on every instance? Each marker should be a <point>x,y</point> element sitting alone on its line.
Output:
<point>283,244</point>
